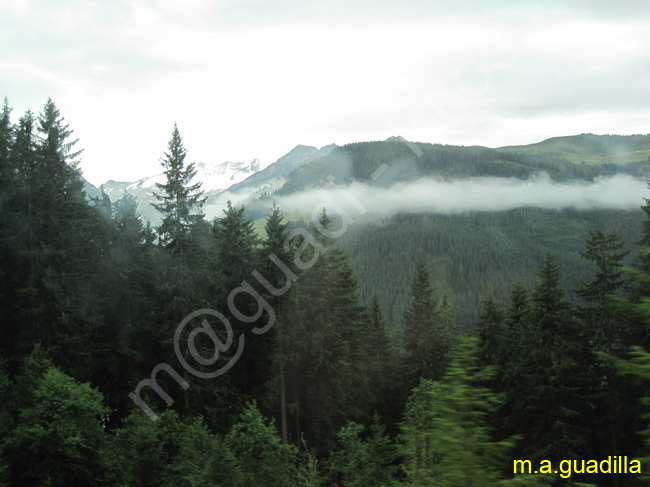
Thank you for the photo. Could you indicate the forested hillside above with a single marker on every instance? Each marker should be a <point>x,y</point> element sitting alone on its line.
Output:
<point>411,161</point>
<point>468,253</point>
<point>198,352</point>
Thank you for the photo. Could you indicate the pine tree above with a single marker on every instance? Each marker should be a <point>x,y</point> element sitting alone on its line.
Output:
<point>557,382</point>
<point>519,339</point>
<point>600,317</point>
<point>129,332</point>
<point>328,387</point>
<point>637,365</point>
<point>65,243</point>
<point>419,321</point>
<point>235,240</point>
<point>7,171</point>
<point>9,224</point>
<point>273,255</point>
<point>179,201</point>
<point>380,362</point>
<point>19,241</point>
<point>59,159</point>
<point>491,330</point>
<point>606,330</point>
<point>519,309</point>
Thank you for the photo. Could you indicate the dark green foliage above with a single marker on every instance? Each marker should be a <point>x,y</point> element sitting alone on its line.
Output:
<point>557,383</point>
<point>363,459</point>
<point>236,257</point>
<point>638,365</point>
<point>421,342</point>
<point>447,329</point>
<point>178,199</point>
<point>59,438</point>
<point>235,241</point>
<point>57,244</point>
<point>324,340</point>
<point>603,322</point>
<point>258,451</point>
<point>6,420</point>
<point>280,281</point>
<point>491,330</point>
<point>381,361</point>
<point>469,252</point>
<point>172,453</point>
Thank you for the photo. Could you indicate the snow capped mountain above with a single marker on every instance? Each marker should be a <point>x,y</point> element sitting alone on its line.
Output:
<point>213,177</point>
<point>236,181</point>
<point>222,176</point>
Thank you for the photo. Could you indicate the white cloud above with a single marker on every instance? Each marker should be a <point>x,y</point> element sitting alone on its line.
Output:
<point>473,194</point>
<point>18,7</point>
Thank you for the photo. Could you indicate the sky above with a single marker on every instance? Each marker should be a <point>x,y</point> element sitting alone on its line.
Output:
<point>248,79</point>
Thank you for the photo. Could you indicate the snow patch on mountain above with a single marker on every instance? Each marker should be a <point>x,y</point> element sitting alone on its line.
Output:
<point>213,177</point>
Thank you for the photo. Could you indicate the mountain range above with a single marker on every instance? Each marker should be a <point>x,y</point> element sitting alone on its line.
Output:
<point>236,181</point>
<point>480,216</point>
<point>255,183</point>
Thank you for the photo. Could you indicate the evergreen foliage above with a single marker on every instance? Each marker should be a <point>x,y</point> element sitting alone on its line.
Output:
<point>178,198</point>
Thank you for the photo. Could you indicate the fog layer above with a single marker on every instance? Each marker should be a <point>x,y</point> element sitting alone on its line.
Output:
<point>473,194</point>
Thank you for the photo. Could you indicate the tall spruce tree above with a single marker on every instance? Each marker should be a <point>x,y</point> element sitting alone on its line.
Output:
<point>9,217</point>
<point>421,342</point>
<point>236,243</point>
<point>380,363</point>
<point>180,285</point>
<point>556,389</point>
<point>8,171</point>
<point>272,252</point>
<point>599,313</point>
<point>491,330</point>
<point>64,244</point>
<point>328,387</point>
<point>180,202</point>
<point>236,257</point>
<point>607,330</point>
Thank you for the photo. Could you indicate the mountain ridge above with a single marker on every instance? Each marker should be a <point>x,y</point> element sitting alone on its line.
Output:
<point>583,156</point>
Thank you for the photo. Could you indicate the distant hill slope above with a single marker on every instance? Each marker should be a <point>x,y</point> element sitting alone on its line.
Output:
<point>407,161</point>
<point>590,149</point>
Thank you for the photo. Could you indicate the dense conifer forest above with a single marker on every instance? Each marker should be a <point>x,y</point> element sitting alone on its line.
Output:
<point>201,353</point>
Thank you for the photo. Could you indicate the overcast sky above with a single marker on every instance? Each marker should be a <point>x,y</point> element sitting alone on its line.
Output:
<point>246,78</point>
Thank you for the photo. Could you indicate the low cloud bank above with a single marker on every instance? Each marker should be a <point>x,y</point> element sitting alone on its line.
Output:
<point>473,194</point>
